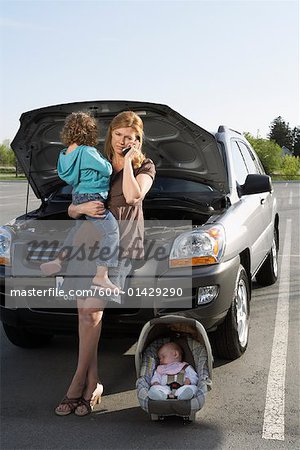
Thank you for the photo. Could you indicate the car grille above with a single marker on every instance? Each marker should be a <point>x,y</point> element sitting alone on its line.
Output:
<point>41,253</point>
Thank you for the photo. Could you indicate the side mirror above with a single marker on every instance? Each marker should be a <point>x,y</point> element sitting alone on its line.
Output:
<point>256,184</point>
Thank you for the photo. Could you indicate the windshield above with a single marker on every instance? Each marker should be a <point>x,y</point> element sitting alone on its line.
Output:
<point>167,185</point>
<point>64,193</point>
<point>161,186</point>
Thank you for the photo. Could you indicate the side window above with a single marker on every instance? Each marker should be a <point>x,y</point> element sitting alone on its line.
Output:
<point>249,158</point>
<point>240,168</point>
<point>257,161</point>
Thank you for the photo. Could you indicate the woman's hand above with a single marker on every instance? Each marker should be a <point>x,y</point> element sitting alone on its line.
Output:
<point>187,381</point>
<point>134,189</point>
<point>92,209</point>
<point>134,151</point>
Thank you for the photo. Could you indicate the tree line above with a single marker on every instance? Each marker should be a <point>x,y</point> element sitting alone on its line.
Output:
<point>279,153</point>
<point>285,136</point>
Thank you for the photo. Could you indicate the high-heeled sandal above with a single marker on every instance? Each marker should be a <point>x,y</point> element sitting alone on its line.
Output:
<point>72,404</point>
<point>89,405</point>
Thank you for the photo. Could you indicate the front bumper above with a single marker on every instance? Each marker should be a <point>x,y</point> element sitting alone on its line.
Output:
<point>64,320</point>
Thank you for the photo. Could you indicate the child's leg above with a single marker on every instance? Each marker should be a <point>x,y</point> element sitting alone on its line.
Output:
<point>186,392</point>
<point>108,256</point>
<point>159,392</point>
<point>54,266</point>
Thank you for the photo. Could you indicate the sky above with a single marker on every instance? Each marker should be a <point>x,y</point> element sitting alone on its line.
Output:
<point>234,63</point>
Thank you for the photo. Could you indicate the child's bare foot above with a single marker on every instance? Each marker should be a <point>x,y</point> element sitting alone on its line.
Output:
<point>104,283</point>
<point>51,267</point>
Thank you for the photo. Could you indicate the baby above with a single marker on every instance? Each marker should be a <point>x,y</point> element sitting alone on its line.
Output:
<point>172,378</point>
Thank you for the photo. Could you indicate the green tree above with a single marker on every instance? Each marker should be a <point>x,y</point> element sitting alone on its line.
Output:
<point>269,153</point>
<point>281,133</point>
<point>7,157</point>
<point>296,139</point>
<point>290,166</point>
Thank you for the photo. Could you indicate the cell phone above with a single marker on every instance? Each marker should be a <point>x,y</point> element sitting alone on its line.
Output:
<point>126,150</point>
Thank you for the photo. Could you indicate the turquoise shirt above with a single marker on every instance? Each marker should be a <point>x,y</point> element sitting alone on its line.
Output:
<point>86,170</point>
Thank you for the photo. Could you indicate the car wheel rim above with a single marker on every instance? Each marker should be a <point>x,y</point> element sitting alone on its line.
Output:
<point>242,313</point>
<point>274,257</point>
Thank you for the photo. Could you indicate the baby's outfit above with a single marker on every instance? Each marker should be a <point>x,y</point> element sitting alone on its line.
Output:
<point>89,175</point>
<point>165,374</point>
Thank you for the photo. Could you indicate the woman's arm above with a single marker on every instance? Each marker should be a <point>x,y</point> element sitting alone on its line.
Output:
<point>92,209</point>
<point>134,189</point>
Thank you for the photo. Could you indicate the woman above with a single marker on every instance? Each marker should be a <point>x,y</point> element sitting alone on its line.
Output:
<point>132,178</point>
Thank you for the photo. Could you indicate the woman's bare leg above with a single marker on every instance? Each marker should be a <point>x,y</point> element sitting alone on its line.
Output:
<point>92,377</point>
<point>92,386</point>
<point>90,312</point>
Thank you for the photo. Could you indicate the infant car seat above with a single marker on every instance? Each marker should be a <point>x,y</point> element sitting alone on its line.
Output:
<point>192,337</point>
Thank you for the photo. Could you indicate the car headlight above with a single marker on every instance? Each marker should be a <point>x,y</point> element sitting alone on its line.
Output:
<point>5,247</point>
<point>201,246</point>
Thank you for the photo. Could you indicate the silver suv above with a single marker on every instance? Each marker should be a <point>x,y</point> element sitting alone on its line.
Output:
<point>213,180</point>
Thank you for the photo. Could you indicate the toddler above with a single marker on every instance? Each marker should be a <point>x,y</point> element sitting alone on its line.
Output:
<point>81,166</point>
<point>172,378</point>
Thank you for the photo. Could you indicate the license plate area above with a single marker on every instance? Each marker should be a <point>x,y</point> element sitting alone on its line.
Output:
<point>59,282</point>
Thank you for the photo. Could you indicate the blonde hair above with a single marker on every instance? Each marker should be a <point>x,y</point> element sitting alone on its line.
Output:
<point>80,128</point>
<point>125,119</point>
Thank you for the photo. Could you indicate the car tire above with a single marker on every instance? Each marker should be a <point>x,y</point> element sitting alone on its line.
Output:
<point>268,273</point>
<point>230,340</point>
<point>24,338</point>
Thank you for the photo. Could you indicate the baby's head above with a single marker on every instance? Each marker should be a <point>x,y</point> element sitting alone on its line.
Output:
<point>80,128</point>
<point>169,353</point>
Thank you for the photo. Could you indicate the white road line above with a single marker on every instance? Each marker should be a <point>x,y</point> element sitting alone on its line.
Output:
<point>131,350</point>
<point>273,427</point>
<point>291,198</point>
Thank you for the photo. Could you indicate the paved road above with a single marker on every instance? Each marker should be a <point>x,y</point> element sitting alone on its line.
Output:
<point>13,195</point>
<point>32,381</point>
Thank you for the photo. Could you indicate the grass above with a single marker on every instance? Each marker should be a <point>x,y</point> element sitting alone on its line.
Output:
<point>9,174</point>
<point>279,177</point>
<point>11,177</point>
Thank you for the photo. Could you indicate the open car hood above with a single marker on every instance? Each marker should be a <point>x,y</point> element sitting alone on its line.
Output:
<point>178,147</point>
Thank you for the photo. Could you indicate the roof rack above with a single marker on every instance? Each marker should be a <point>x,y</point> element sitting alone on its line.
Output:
<point>223,128</point>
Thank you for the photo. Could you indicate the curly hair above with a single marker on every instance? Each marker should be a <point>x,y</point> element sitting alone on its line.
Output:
<point>125,119</point>
<point>80,128</point>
